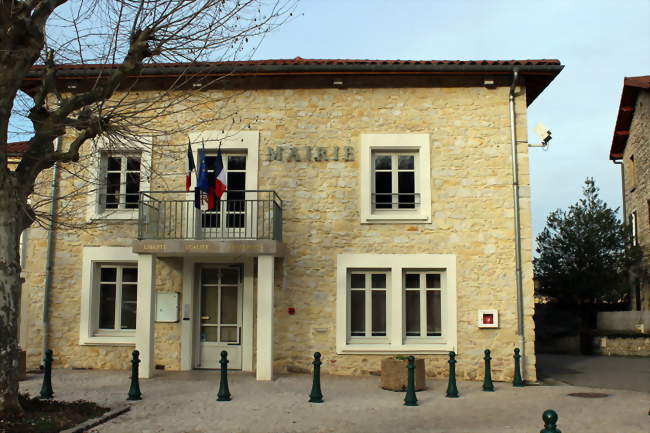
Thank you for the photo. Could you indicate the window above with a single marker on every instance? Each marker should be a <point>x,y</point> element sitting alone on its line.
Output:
<point>394,185</point>
<point>367,303</point>
<point>632,173</point>
<point>109,295</point>
<point>395,178</point>
<point>422,304</point>
<point>396,303</point>
<point>121,181</point>
<point>633,229</point>
<point>117,293</point>
<point>120,175</point>
<point>229,212</point>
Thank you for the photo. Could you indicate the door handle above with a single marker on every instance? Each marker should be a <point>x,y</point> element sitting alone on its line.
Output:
<point>205,317</point>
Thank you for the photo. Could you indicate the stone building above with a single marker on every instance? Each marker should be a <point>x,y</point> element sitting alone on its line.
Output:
<point>631,147</point>
<point>374,208</point>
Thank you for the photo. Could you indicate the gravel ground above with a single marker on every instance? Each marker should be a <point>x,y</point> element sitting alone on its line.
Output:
<point>183,402</point>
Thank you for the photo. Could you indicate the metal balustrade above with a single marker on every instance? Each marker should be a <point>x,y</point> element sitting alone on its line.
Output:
<point>250,214</point>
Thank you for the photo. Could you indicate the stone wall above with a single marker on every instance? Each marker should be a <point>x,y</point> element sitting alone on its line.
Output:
<point>637,185</point>
<point>472,217</point>
<point>622,346</point>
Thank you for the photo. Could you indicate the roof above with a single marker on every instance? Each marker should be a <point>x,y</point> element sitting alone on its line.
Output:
<point>17,148</point>
<point>313,73</point>
<point>631,88</point>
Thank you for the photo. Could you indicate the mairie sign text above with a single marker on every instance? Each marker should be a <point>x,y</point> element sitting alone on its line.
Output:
<point>310,153</point>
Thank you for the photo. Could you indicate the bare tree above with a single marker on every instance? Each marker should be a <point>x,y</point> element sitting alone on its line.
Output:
<point>119,38</point>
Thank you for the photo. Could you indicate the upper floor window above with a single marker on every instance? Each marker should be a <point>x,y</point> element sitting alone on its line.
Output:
<point>394,181</point>
<point>395,178</point>
<point>121,181</point>
<point>634,229</point>
<point>631,172</point>
<point>231,210</point>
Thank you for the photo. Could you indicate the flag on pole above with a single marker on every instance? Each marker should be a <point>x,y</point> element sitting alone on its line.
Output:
<point>190,166</point>
<point>221,184</point>
<point>202,182</point>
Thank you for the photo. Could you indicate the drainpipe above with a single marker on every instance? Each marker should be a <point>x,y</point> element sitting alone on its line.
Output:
<point>515,194</point>
<point>50,256</point>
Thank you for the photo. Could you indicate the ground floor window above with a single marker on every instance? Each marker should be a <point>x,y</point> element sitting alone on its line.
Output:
<point>117,293</point>
<point>396,302</point>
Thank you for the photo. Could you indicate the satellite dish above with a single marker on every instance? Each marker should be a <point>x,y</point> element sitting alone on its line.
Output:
<point>543,133</point>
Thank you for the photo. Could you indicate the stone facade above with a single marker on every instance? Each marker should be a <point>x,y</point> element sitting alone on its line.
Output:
<point>636,160</point>
<point>472,218</point>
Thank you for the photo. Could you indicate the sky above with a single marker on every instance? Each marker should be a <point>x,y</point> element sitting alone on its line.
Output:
<point>599,41</point>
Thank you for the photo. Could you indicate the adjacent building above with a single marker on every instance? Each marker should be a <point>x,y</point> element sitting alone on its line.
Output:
<point>631,147</point>
<point>374,208</point>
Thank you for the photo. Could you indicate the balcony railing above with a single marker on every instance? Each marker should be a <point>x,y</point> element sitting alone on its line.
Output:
<point>250,214</point>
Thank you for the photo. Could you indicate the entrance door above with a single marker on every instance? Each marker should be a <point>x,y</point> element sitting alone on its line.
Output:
<point>220,321</point>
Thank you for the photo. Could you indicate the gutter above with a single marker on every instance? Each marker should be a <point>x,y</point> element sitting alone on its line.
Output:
<point>50,256</point>
<point>515,196</point>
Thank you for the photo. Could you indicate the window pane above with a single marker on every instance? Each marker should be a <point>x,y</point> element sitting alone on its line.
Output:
<point>112,190</point>
<point>412,302</point>
<point>433,313</point>
<point>237,163</point>
<point>358,281</point>
<point>228,333</point>
<point>113,163</point>
<point>133,164</point>
<point>412,281</point>
<point>210,333</point>
<point>229,304</point>
<point>229,276</point>
<point>378,313</point>
<point>130,275</point>
<point>209,304</point>
<point>357,313</point>
<point>107,306</point>
<point>433,281</point>
<point>406,162</point>
<point>382,162</point>
<point>406,186</point>
<point>236,182</point>
<point>129,305</point>
<point>108,275</point>
<point>383,190</point>
<point>378,281</point>
<point>210,276</point>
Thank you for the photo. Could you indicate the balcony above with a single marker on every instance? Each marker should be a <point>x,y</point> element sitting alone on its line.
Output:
<point>169,224</point>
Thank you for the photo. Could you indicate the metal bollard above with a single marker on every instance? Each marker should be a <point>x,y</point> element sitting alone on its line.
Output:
<point>487,377</point>
<point>517,380</point>
<point>452,389</point>
<point>550,422</point>
<point>46,389</point>
<point>134,390</point>
<point>316,396</point>
<point>224,392</point>
<point>410,399</point>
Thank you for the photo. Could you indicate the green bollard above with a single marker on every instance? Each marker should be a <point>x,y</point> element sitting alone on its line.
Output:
<point>410,399</point>
<point>224,392</point>
<point>316,396</point>
<point>134,390</point>
<point>452,389</point>
<point>517,381</point>
<point>487,378</point>
<point>550,422</point>
<point>46,389</point>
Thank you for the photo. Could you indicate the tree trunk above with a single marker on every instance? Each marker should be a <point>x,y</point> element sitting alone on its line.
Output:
<point>10,284</point>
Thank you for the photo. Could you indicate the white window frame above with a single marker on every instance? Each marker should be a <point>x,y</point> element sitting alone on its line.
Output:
<point>368,338</point>
<point>102,149</point>
<point>422,291</point>
<point>396,341</point>
<point>634,228</point>
<point>396,143</point>
<point>119,281</point>
<point>93,258</point>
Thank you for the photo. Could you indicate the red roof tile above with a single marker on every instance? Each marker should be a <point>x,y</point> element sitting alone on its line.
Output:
<point>631,87</point>
<point>17,147</point>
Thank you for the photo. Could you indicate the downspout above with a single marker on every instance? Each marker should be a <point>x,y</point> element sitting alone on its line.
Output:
<point>50,256</point>
<point>515,194</point>
<point>620,162</point>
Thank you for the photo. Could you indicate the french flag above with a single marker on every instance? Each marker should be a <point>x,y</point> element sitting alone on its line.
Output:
<point>190,167</point>
<point>220,184</point>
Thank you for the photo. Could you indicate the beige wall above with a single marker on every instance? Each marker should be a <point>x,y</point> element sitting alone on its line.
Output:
<point>472,217</point>
<point>637,185</point>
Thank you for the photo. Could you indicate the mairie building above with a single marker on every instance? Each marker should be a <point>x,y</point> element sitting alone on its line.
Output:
<point>374,208</point>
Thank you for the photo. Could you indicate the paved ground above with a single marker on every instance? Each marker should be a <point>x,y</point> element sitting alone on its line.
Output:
<point>615,372</point>
<point>183,402</point>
